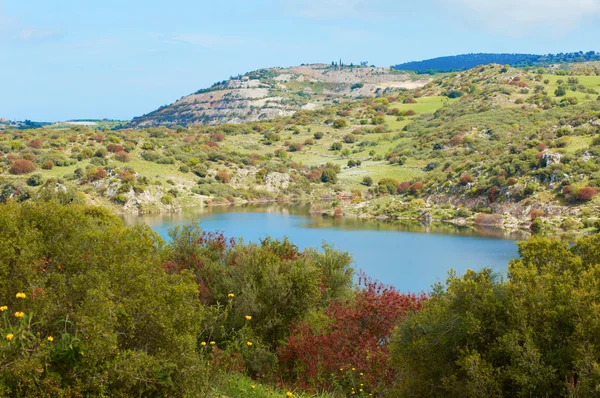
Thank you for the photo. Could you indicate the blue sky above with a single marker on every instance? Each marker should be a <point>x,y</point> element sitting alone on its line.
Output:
<point>119,59</point>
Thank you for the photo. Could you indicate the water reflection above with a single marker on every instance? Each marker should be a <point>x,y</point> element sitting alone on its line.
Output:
<point>318,220</point>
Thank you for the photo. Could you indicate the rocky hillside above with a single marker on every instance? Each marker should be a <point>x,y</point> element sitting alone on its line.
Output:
<point>277,92</point>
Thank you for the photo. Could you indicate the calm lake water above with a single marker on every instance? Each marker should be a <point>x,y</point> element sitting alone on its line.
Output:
<point>409,257</point>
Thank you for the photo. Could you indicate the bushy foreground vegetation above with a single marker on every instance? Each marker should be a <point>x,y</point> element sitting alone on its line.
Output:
<point>93,308</point>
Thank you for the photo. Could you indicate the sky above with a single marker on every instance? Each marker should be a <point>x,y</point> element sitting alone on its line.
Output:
<point>67,59</point>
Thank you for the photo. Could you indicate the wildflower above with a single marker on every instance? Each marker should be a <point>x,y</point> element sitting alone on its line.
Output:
<point>231,295</point>
<point>248,318</point>
<point>203,344</point>
<point>21,295</point>
<point>289,394</point>
<point>212,343</point>
<point>10,336</point>
<point>341,369</point>
<point>249,344</point>
<point>362,374</point>
<point>253,387</point>
<point>3,308</point>
<point>353,369</point>
<point>50,339</point>
<point>19,314</point>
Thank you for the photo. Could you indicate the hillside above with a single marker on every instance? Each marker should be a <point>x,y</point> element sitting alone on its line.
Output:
<point>277,92</point>
<point>491,145</point>
<point>468,61</point>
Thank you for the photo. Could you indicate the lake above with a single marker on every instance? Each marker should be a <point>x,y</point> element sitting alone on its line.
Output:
<point>408,256</point>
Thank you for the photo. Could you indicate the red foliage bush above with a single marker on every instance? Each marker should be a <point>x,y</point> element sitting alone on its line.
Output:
<point>493,194</point>
<point>403,187</point>
<point>37,144</point>
<point>223,176</point>
<point>416,187</point>
<point>96,174</point>
<point>410,112</point>
<point>314,175</point>
<point>114,148</point>
<point>466,179</point>
<point>48,165</point>
<point>586,193</point>
<point>456,140</point>
<point>217,137</point>
<point>99,137</point>
<point>21,166</point>
<point>352,342</point>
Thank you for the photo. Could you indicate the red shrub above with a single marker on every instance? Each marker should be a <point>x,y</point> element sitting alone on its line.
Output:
<point>535,213</point>
<point>416,187</point>
<point>353,341</point>
<point>37,144</point>
<point>21,166</point>
<point>314,175</point>
<point>96,174</point>
<point>466,179</point>
<point>217,137</point>
<point>456,140</point>
<point>403,187</point>
<point>99,138</point>
<point>48,165</point>
<point>223,176</point>
<point>127,176</point>
<point>114,148</point>
<point>493,194</point>
<point>586,193</point>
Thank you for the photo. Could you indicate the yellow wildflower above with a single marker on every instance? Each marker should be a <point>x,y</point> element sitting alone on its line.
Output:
<point>212,343</point>
<point>50,339</point>
<point>231,295</point>
<point>21,295</point>
<point>248,318</point>
<point>19,314</point>
<point>289,394</point>
<point>353,369</point>
<point>253,386</point>
<point>10,336</point>
<point>3,308</point>
<point>249,344</point>
<point>203,343</point>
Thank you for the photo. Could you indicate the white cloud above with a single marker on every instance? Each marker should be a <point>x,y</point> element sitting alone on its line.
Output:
<point>526,14</point>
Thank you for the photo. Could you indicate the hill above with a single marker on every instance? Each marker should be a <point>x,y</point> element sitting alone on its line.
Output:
<point>468,61</point>
<point>512,147</point>
<point>276,92</point>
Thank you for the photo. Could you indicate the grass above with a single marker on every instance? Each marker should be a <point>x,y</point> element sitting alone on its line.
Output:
<point>237,386</point>
<point>425,104</point>
<point>578,142</point>
<point>587,81</point>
